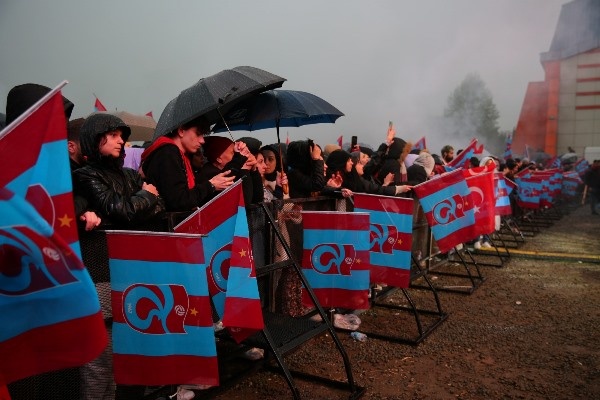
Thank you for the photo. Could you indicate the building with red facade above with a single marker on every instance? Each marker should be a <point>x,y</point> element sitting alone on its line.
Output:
<point>563,111</point>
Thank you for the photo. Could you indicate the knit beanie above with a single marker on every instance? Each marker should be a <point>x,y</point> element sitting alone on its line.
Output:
<point>214,146</point>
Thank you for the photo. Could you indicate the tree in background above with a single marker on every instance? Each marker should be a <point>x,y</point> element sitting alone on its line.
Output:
<point>473,114</point>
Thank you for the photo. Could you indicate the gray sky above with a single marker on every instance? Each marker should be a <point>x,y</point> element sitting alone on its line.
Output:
<point>376,61</point>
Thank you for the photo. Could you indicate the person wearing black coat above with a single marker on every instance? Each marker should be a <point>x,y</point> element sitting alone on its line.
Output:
<point>118,195</point>
<point>305,169</point>
<point>166,163</point>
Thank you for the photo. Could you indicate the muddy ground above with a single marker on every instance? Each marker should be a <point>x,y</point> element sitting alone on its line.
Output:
<point>529,330</point>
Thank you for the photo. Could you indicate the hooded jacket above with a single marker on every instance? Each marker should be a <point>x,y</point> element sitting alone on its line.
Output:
<point>392,162</point>
<point>305,175</point>
<point>113,192</point>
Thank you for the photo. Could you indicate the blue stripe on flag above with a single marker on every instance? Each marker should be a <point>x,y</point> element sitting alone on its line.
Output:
<point>398,259</point>
<point>48,307</point>
<point>199,341</point>
<point>359,280</point>
<point>245,290</point>
<point>192,276</point>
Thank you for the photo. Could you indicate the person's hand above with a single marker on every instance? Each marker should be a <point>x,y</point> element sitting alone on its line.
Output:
<point>281,179</point>
<point>92,220</point>
<point>403,189</point>
<point>347,192</point>
<point>389,178</point>
<point>242,148</point>
<point>391,133</point>
<point>335,181</point>
<point>150,188</point>
<point>250,162</point>
<point>222,181</point>
<point>315,152</point>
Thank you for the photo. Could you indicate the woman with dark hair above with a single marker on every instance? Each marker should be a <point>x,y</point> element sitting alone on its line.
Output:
<point>167,164</point>
<point>394,161</point>
<point>305,169</point>
<point>274,177</point>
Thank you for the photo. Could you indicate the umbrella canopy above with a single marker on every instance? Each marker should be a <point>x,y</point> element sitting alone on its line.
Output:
<point>277,108</point>
<point>569,158</point>
<point>142,126</point>
<point>214,95</point>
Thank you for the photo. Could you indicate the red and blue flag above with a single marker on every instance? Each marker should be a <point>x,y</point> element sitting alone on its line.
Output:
<point>231,271</point>
<point>162,318</point>
<point>421,144</point>
<point>503,191</point>
<point>446,201</point>
<point>529,190</point>
<point>391,220</point>
<point>335,259</point>
<point>508,148</point>
<point>462,160</point>
<point>47,299</point>
<point>98,106</point>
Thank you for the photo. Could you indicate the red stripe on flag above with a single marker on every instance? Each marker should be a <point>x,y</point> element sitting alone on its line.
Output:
<point>165,370</point>
<point>15,160</point>
<point>52,347</point>
<point>251,309</point>
<point>65,221</point>
<point>342,298</point>
<point>391,276</point>
<point>381,203</point>
<point>331,220</point>
<point>149,247</point>
<point>404,241</point>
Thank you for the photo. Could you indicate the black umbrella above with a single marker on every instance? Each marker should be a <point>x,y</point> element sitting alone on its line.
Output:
<point>278,108</point>
<point>214,95</point>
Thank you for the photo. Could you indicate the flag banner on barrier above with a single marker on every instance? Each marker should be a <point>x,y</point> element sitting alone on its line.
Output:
<point>446,202</point>
<point>220,219</point>
<point>162,317</point>
<point>47,298</point>
<point>502,205</point>
<point>483,202</point>
<point>570,183</point>
<point>529,190</point>
<point>243,312</point>
<point>391,220</point>
<point>335,259</point>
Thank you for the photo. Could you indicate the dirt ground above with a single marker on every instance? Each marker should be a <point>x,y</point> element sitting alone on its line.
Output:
<point>529,330</point>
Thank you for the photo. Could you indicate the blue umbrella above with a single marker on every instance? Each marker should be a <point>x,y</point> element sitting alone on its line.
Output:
<point>278,108</point>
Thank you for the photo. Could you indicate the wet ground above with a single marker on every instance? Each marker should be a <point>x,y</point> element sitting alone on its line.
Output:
<point>529,330</point>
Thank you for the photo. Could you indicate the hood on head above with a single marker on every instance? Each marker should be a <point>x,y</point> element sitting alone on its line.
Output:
<point>93,129</point>
<point>396,148</point>
<point>252,143</point>
<point>426,161</point>
<point>336,162</point>
<point>298,155</point>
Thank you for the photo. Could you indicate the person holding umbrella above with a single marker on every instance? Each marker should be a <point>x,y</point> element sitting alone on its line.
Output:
<point>166,163</point>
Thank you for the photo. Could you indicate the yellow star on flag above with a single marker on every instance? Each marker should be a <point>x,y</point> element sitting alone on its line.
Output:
<point>194,312</point>
<point>358,261</point>
<point>243,253</point>
<point>65,221</point>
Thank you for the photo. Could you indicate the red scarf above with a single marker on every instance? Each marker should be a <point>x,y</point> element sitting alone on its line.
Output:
<point>162,141</point>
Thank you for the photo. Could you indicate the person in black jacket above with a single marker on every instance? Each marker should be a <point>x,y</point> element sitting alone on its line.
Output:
<point>118,195</point>
<point>166,163</point>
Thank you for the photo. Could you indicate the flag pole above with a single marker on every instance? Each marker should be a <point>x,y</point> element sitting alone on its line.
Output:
<point>31,109</point>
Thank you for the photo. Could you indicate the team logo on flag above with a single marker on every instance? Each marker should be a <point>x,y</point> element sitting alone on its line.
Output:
<point>218,269</point>
<point>383,238</point>
<point>333,259</point>
<point>449,209</point>
<point>155,309</point>
<point>34,262</point>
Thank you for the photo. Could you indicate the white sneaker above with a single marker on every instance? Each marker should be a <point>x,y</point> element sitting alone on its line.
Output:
<point>459,247</point>
<point>183,394</point>
<point>477,245</point>
<point>254,354</point>
<point>486,245</point>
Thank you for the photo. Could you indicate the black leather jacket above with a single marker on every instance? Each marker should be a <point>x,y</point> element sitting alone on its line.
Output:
<point>116,194</point>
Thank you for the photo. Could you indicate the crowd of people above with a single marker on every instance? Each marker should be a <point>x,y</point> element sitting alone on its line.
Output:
<point>187,167</point>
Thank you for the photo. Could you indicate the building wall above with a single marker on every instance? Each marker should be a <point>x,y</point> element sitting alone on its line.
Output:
<point>579,103</point>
